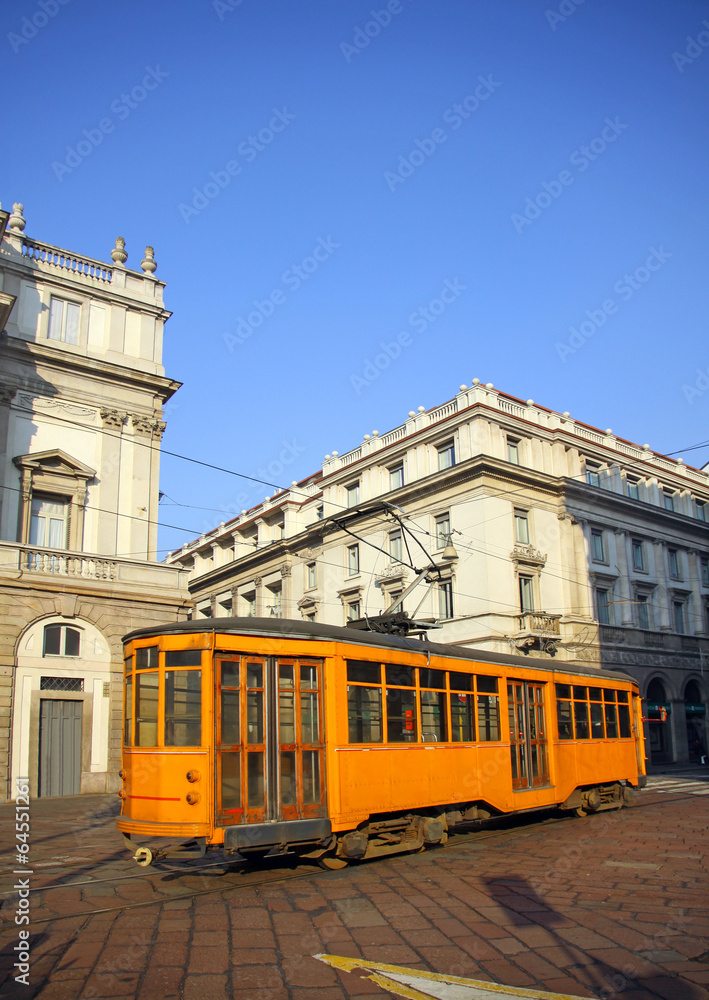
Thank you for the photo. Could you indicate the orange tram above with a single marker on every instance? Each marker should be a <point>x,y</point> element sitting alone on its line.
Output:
<point>275,736</point>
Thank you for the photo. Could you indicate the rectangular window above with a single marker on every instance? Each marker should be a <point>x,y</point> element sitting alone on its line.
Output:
<point>353,611</point>
<point>395,545</point>
<point>705,571</point>
<point>248,603</point>
<point>401,715</point>
<point>633,488</point>
<point>526,593</point>
<point>353,494</point>
<point>673,557</point>
<point>446,456</point>
<point>443,530</point>
<point>183,658</point>
<point>638,555</point>
<point>364,711</point>
<point>678,612</point>
<point>353,559</point>
<point>275,601</point>
<point>146,658</point>
<point>64,321</point>
<point>522,527</point>
<point>434,721</point>
<point>598,551</point>
<point>513,451</point>
<point>312,575</point>
<point>146,709</point>
<point>462,717</point>
<point>669,499</point>
<point>593,473</point>
<point>48,523</point>
<point>396,476</point>
<point>488,709</point>
<point>128,713</point>
<point>445,599</point>
<point>603,606</point>
<point>320,512</point>
<point>642,605</point>
<point>183,708</point>
<point>701,510</point>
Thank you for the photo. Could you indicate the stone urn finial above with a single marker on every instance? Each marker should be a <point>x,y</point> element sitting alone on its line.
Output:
<point>148,263</point>
<point>17,219</point>
<point>118,254</point>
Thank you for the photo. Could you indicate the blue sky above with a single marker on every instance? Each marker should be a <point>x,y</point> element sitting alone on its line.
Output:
<point>310,186</point>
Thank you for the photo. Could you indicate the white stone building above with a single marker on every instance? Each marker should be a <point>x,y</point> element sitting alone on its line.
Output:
<point>569,542</point>
<point>82,391</point>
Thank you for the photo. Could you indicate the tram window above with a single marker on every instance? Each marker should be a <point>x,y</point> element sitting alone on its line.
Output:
<point>183,708</point>
<point>611,721</point>
<point>183,658</point>
<point>622,696</point>
<point>462,718</point>
<point>308,677</point>
<point>309,721</point>
<point>128,713</point>
<point>581,719</point>
<point>286,705</point>
<point>432,678</point>
<point>488,718</point>
<point>146,657</point>
<point>256,789</point>
<point>401,716</point>
<point>364,672</point>
<point>624,718</point>
<point>311,777</point>
<point>231,709</point>
<point>288,780</point>
<point>254,704</point>
<point>128,662</point>
<point>230,673</point>
<point>580,693</point>
<point>486,685</point>
<point>364,709</point>
<point>146,709</point>
<point>563,691</point>
<point>433,716</point>
<point>597,732</point>
<point>595,694</point>
<point>461,682</point>
<point>231,781</point>
<point>400,676</point>
<point>563,715</point>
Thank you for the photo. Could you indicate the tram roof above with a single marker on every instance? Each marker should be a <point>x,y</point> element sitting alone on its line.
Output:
<point>291,629</point>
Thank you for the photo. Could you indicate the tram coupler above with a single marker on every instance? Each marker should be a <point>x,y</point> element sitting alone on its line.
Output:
<point>144,856</point>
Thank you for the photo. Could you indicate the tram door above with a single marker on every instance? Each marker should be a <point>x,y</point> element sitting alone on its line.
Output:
<point>528,738</point>
<point>269,739</point>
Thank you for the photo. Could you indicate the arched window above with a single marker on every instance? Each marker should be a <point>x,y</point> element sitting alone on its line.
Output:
<point>656,692</point>
<point>61,640</point>
<point>692,694</point>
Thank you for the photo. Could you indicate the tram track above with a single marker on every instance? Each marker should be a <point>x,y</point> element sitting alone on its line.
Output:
<point>266,879</point>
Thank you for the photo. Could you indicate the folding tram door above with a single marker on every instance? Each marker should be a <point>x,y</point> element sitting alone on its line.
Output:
<point>269,739</point>
<point>528,737</point>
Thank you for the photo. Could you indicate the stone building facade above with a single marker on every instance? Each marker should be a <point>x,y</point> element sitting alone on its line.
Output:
<point>568,542</point>
<point>82,392</point>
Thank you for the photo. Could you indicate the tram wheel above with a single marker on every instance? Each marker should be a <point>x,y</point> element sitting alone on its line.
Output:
<point>143,856</point>
<point>581,813</point>
<point>332,863</point>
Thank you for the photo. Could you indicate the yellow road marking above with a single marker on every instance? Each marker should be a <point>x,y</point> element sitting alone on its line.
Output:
<point>415,984</point>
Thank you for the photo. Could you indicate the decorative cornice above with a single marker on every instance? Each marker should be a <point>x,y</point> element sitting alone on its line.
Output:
<point>528,554</point>
<point>113,418</point>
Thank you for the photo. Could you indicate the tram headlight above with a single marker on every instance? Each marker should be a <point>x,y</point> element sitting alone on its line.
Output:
<point>193,775</point>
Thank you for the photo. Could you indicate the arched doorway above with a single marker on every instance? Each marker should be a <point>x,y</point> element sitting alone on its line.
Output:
<point>695,715</point>
<point>61,707</point>
<point>658,714</point>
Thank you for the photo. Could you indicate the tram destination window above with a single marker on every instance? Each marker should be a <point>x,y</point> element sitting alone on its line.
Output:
<point>183,658</point>
<point>183,708</point>
<point>146,658</point>
<point>592,713</point>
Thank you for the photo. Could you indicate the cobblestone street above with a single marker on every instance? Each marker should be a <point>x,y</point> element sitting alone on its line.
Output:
<point>610,905</point>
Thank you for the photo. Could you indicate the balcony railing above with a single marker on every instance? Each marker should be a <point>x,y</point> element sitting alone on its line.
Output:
<point>609,633</point>
<point>37,560</point>
<point>56,257</point>
<point>539,623</point>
